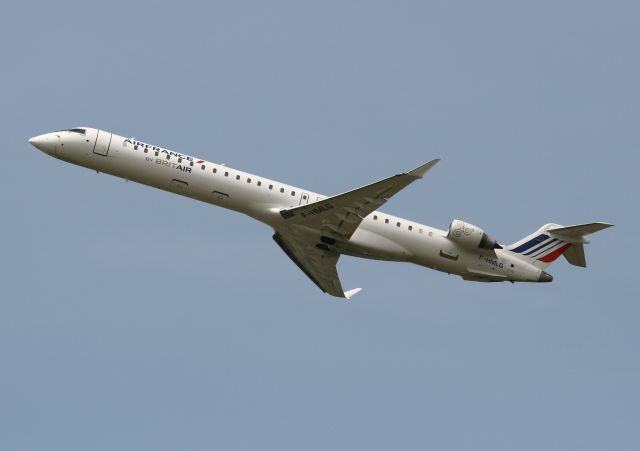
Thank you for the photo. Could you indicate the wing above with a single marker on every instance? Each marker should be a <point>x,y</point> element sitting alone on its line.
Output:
<point>318,264</point>
<point>339,216</point>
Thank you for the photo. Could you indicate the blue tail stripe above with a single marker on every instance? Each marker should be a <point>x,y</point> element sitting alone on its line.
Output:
<point>546,243</point>
<point>529,244</point>
<point>544,251</point>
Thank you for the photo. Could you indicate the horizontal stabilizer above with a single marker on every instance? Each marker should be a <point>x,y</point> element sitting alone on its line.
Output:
<point>579,230</point>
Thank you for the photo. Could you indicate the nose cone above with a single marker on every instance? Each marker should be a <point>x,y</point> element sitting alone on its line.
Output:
<point>45,143</point>
<point>545,277</point>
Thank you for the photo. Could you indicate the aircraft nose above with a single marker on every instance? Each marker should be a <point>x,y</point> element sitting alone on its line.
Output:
<point>545,277</point>
<point>45,143</point>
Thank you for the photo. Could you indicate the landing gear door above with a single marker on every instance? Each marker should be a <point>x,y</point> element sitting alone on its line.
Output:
<point>103,141</point>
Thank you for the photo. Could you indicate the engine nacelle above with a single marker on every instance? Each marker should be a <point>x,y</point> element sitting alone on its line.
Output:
<point>470,236</point>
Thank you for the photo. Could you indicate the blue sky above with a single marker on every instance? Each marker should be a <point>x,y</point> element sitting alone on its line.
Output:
<point>134,319</point>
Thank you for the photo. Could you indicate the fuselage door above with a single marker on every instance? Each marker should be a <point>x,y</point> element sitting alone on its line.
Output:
<point>103,141</point>
<point>304,198</point>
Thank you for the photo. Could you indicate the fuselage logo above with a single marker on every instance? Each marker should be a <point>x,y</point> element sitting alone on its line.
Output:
<point>136,144</point>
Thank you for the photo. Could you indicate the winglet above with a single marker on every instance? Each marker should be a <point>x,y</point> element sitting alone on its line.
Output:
<point>351,293</point>
<point>422,170</point>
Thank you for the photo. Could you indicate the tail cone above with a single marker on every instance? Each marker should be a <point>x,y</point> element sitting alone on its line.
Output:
<point>545,277</point>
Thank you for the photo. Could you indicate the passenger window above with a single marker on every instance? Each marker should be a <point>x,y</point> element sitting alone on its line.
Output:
<point>156,153</point>
<point>179,160</point>
<point>420,231</point>
<point>270,186</point>
<point>202,167</point>
<point>168,157</point>
<point>248,180</point>
<point>293,193</point>
<point>237,177</point>
<point>145,150</point>
<point>397,224</point>
<point>226,174</point>
<point>386,221</point>
<point>259,183</point>
<point>191,163</point>
<point>215,170</point>
<point>410,227</point>
<point>375,218</point>
<point>430,233</point>
<point>282,190</point>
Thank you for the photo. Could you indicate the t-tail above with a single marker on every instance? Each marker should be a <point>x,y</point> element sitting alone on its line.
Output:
<point>550,241</point>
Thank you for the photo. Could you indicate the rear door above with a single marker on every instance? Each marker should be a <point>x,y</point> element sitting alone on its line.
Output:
<point>103,141</point>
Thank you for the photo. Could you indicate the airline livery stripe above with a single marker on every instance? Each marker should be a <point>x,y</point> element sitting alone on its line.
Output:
<point>529,244</point>
<point>555,254</point>
<point>545,244</point>
<point>549,249</point>
<point>554,246</point>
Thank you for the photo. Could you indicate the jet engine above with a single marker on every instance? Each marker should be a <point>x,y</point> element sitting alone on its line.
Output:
<point>470,236</point>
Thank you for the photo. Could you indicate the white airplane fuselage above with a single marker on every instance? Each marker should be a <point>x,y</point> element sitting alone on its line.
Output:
<point>379,235</point>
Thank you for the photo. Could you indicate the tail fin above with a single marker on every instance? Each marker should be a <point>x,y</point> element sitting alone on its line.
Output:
<point>550,241</point>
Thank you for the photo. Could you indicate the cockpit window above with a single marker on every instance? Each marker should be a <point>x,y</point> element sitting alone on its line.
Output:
<point>82,131</point>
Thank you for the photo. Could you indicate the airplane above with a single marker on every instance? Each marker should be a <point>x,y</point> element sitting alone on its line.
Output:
<point>314,230</point>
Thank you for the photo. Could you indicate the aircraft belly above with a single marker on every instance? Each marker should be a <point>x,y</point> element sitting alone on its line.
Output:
<point>368,244</point>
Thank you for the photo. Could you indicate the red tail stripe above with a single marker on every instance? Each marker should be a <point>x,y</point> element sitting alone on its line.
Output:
<point>555,254</point>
